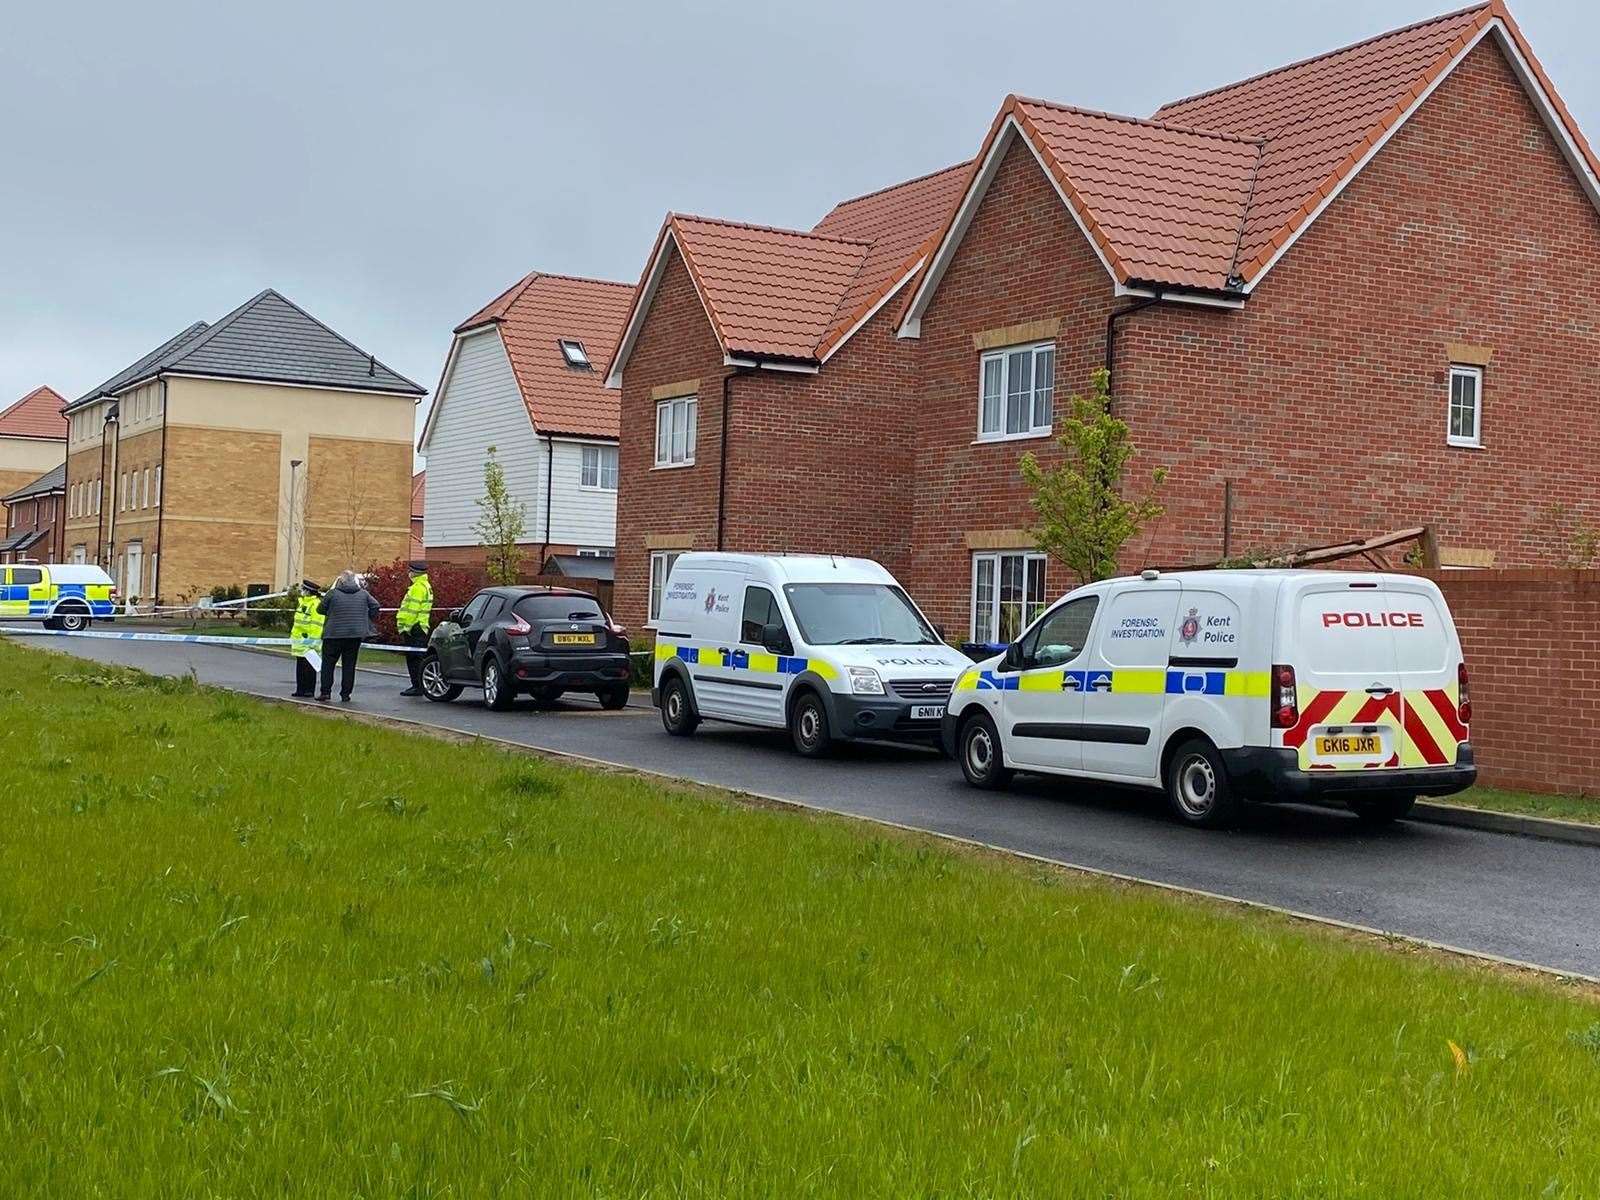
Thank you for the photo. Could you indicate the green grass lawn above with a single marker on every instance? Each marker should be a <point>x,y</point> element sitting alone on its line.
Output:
<point>248,951</point>
<point>1565,808</point>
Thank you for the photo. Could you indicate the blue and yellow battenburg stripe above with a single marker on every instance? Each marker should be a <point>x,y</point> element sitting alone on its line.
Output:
<point>1146,681</point>
<point>36,600</point>
<point>744,660</point>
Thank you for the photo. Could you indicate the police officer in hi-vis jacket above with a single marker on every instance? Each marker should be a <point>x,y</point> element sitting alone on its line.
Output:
<point>306,638</point>
<point>412,621</point>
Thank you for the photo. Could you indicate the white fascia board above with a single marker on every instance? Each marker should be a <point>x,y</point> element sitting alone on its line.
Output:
<point>1200,299</point>
<point>735,360</point>
<point>911,326</point>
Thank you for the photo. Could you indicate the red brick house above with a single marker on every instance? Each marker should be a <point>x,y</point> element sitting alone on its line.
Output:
<point>1345,296</point>
<point>35,519</point>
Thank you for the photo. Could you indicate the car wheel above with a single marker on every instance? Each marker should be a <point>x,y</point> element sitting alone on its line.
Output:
<point>1382,810</point>
<point>808,726</point>
<point>1198,789</point>
<point>73,622</point>
<point>978,748</point>
<point>434,684</point>
<point>677,714</point>
<point>498,692</point>
<point>614,698</point>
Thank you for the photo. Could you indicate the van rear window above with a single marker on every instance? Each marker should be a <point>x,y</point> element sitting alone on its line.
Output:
<point>1347,632</point>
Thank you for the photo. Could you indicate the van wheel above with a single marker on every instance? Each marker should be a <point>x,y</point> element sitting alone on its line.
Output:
<point>1382,810</point>
<point>1198,789</point>
<point>979,751</point>
<point>434,684</point>
<point>677,714</point>
<point>808,726</point>
<point>73,621</point>
<point>497,693</point>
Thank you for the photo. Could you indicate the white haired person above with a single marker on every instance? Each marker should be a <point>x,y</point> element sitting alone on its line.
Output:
<point>348,611</point>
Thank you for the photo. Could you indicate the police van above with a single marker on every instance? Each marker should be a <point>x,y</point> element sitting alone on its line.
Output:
<point>62,595</point>
<point>829,648</point>
<point>1223,687</point>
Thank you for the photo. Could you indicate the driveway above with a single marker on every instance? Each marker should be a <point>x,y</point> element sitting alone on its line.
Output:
<point>1513,897</point>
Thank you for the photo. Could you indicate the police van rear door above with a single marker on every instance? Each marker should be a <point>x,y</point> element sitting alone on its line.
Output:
<point>1338,637</point>
<point>1429,655</point>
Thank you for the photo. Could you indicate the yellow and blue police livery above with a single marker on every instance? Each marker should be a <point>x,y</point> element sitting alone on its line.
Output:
<point>1221,687</point>
<point>64,596</point>
<point>827,647</point>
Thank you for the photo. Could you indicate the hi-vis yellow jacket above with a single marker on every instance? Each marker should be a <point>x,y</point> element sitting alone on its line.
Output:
<point>307,631</point>
<point>417,607</point>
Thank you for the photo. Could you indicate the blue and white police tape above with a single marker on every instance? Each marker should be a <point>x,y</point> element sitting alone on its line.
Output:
<point>200,638</point>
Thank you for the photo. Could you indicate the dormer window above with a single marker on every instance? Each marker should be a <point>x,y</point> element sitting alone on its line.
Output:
<point>572,350</point>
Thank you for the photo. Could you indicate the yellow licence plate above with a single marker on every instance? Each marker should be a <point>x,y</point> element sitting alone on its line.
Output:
<point>573,639</point>
<point>1337,744</point>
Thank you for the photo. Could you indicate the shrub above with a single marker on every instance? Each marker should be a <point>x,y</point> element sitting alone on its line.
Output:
<point>453,586</point>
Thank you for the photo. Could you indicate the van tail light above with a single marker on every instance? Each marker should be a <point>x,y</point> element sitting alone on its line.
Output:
<point>1285,704</point>
<point>518,627</point>
<point>1463,698</point>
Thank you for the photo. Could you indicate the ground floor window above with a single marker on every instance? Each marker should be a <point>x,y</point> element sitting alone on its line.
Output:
<point>660,566</point>
<point>1007,593</point>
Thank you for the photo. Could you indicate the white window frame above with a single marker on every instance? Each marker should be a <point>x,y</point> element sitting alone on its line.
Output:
<point>668,409</point>
<point>658,585</point>
<point>568,347</point>
<point>158,485</point>
<point>1459,371</point>
<point>597,551</point>
<point>1002,358</point>
<point>596,481</point>
<point>991,631</point>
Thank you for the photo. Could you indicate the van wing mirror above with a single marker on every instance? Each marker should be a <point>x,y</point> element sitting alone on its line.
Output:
<point>775,639</point>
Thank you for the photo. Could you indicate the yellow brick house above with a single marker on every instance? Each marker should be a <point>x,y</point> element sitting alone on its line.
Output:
<point>257,450</point>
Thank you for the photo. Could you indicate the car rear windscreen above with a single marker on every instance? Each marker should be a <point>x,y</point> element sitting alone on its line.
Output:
<point>558,608</point>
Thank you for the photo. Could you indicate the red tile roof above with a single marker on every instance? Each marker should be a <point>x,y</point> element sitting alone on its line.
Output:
<point>796,295</point>
<point>533,315</point>
<point>36,415</point>
<point>1318,117</point>
<point>1206,193</point>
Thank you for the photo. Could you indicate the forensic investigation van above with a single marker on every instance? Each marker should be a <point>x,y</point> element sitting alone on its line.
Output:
<point>1222,687</point>
<point>827,647</point>
<point>63,595</point>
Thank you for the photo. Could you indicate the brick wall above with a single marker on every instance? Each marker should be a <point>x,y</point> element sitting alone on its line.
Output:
<point>357,505</point>
<point>1324,399</point>
<point>220,496</point>
<point>1532,644</point>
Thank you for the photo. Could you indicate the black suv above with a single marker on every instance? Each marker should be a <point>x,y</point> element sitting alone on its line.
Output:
<point>539,640</point>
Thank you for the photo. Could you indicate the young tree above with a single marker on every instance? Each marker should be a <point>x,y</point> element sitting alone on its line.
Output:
<point>500,527</point>
<point>1083,518</point>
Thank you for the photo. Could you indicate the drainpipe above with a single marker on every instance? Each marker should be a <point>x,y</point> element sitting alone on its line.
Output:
<point>161,500</point>
<point>1112,318</point>
<point>722,453</point>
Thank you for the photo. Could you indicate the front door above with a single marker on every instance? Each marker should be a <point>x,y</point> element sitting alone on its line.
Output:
<point>134,573</point>
<point>1126,682</point>
<point>755,687</point>
<point>1043,714</point>
<point>455,655</point>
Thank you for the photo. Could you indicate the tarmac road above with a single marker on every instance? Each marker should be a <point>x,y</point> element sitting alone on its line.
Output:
<point>1514,897</point>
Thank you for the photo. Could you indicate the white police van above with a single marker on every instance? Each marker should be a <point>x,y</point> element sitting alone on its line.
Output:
<point>1222,687</point>
<point>830,648</point>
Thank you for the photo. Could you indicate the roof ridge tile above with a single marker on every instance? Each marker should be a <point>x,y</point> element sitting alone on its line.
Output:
<point>758,228</point>
<point>1146,122</point>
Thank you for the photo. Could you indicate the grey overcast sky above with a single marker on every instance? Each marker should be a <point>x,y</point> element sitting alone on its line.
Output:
<point>390,167</point>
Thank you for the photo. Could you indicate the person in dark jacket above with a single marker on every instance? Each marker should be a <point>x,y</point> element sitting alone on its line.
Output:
<point>348,611</point>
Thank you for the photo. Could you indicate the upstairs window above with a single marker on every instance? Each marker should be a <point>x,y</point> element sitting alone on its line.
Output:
<point>675,428</point>
<point>1466,407</point>
<point>572,350</point>
<point>1017,392</point>
<point>599,468</point>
